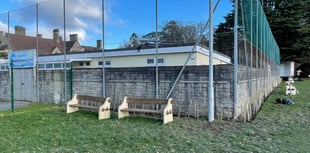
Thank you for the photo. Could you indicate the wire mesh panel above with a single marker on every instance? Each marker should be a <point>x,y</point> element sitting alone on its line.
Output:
<point>256,29</point>
<point>4,23</point>
<point>51,40</point>
<point>69,27</point>
<point>22,29</point>
<point>4,73</point>
<point>129,26</point>
<point>23,26</point>
<point>258,60</point>
<point>84,22</point>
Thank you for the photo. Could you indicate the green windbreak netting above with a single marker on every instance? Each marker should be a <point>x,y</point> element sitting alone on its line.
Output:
<point>256,28</point>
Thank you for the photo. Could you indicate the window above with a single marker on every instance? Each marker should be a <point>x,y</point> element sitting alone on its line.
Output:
<point>160,60</point>
<point>150,61</point>
<point>4,67</point>
<point>57,65</point>
<point>49,65</point>
<point>87,63</point>
<point>108,63</point>
<point>53,66</point>
<point>68,65</point>
<point>41,66</point>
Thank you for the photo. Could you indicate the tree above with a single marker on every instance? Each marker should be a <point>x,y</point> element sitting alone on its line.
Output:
<point>289,22</point>
<point>178,33</point>
<point>134,41</point>
<point>224,38</point>
<point>150,37</point>
<point>171,32</point>
<point>228,25</point>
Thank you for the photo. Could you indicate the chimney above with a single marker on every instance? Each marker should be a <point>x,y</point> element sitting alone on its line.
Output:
<point>56,35</point>
<point>39,35</point>
<point>74,37</point>
<point>99,44</point>
<point>19,30</point>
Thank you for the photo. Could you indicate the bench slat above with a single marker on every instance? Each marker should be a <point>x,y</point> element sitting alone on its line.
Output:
<point>146,101</point>
<point>85,106</point>
<point>141,110</point>
<point>91,98</point>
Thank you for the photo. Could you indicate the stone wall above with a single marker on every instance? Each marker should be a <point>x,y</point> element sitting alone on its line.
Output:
<point>191,92</point>
<point>87,82</point>
<point>5,90</point>
<point>51,86</point>
<point>253,92</point>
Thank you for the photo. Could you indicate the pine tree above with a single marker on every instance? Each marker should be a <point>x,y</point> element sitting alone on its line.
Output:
<point>290,24</point>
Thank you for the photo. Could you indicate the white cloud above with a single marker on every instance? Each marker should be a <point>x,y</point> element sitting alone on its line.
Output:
<point>81,33</point>
<point>3,26</point>
<point>83,17</point>
<point>85,8</point>
<point>52,10</point>
<point>27,1</point>
<point>80,22</point>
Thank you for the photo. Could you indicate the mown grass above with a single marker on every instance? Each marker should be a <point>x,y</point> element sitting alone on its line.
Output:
<point>46,128</point>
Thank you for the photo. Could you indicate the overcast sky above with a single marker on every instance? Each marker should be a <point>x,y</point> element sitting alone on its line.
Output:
<point>122,17</point>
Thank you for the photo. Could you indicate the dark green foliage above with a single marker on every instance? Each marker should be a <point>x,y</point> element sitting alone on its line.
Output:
<point>290,23</point>
<point>171,33</point>
<point>134,42</point>
<point>224,38</point>
<point>228,25</point>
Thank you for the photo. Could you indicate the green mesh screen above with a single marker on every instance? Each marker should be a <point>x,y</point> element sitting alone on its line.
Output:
<point>256,29</point>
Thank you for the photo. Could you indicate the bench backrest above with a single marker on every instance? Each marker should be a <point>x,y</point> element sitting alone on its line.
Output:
<point>147,101</point>
<point>92,98</point>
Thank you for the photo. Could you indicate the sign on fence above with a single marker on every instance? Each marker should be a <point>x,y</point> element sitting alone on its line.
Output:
<point>22,59</point>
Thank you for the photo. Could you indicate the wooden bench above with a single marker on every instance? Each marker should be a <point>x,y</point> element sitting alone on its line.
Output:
<point>100,104</point>
<point>162,107</point>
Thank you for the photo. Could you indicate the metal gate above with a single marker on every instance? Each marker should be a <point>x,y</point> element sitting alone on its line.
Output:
<point>23,84</point>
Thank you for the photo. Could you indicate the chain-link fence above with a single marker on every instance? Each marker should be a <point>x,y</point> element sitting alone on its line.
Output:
<point>59,30</point>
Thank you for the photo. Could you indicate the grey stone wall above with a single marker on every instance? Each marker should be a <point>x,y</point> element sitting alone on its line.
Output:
<point>191,92</point>
<point>52,87</point>
<point>4,86</point>
<point>253,91</point>
<point>87,82</point>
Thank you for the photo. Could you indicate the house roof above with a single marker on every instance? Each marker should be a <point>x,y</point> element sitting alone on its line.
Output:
<point>134,52</point>
<point>51,50</point>
<point>45,46</point>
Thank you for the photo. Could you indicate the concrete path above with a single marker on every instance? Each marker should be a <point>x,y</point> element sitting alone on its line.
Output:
<point>4,105</point>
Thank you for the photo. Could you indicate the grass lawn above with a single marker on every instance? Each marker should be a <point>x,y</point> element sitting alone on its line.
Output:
<point>47,128</point>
